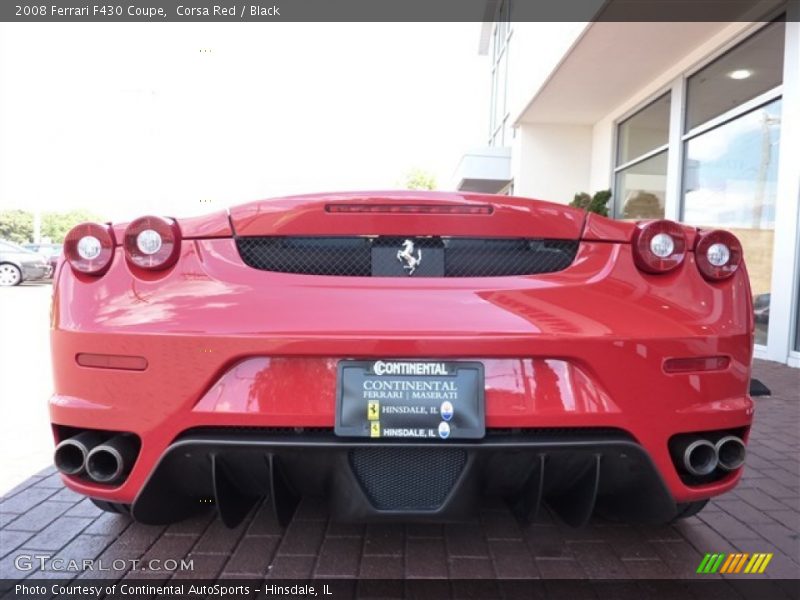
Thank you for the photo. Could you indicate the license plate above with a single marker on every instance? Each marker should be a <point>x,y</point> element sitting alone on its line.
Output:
<point>395,399</point>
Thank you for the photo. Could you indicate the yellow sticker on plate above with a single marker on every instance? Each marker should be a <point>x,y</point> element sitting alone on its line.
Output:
<point>373,410</point>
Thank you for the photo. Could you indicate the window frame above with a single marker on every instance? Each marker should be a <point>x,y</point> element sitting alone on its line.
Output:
<point>717,122</point>
<point>620,122</point>
<point>780,344</point>
<point>615,170</point>
<point>500,52</point>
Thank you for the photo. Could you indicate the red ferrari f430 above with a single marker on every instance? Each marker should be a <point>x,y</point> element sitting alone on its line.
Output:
<point>401,354</point>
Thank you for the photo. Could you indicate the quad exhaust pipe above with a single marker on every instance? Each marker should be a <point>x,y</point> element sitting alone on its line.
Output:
<point>91,453</point>
<point>730,453</point>
<point>70,455</point>
<point>701,457</point>
<point>110,462</point>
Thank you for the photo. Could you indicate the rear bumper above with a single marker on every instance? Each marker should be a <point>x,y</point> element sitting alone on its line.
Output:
<point>574,472</point>
<point>230,346</point>
<point>299,392</point>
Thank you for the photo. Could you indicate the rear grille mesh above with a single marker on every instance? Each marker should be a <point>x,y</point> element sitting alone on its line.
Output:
<point>407,478</point>
<point>377,256</point>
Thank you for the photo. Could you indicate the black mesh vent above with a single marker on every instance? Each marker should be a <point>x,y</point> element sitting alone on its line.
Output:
<point>308,255</point>
<point>490,257</point>
<point>407,478</point>
<point>377,256</point>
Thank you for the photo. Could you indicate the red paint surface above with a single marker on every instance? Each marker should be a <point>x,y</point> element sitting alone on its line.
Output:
<point>230,345</point>
<point>306,215</point>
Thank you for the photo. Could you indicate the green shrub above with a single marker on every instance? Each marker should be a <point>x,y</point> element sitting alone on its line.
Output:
<point>596,204</point>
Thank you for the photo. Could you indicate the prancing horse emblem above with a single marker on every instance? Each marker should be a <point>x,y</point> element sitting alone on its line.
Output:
<point>406,256</point>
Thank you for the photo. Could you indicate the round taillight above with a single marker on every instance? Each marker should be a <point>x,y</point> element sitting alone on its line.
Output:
<point>152,242</point>
<point>89,248</point>
<point>718,254</point>
<point>658,246</point>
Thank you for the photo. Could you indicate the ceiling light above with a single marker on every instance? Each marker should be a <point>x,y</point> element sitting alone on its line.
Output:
<point>740,74</point>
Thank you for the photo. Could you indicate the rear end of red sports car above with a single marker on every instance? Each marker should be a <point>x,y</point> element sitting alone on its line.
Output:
<point>401,354</point>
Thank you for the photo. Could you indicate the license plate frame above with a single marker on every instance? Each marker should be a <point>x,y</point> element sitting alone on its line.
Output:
<point>408,399</point>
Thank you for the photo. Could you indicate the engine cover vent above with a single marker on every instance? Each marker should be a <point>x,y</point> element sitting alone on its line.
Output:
<point>393,256</point>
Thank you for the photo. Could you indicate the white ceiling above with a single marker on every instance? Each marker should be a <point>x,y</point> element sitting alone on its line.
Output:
<point>609,64</point>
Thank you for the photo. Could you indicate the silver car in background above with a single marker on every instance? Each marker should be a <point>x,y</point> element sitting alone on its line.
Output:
<point>18,264</point>
<point>50,251</point>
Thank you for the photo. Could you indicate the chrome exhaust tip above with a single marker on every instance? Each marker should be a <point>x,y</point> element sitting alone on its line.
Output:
<point>700,458</point>
<point>70,454</point>
<point>109,462</point>
<point>731,453</point>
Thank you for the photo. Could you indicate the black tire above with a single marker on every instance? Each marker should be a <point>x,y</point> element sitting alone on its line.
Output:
<point>112,507</point>
<point>10,276</point>
<point>689,509</point>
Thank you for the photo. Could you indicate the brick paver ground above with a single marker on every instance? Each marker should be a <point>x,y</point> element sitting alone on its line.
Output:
<point>762,514</point>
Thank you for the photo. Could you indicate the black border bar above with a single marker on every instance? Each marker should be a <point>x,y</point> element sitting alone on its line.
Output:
<point>231,11</point>
<point>441,589</point>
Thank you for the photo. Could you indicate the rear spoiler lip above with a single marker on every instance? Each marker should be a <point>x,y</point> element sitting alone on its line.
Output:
<point>598,228</point>
<point>571,223</point>
<point>456,214</point>
<point>205,227</point>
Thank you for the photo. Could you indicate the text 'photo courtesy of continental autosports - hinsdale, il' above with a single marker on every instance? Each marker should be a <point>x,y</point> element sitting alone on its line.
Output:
<point>401,354</point>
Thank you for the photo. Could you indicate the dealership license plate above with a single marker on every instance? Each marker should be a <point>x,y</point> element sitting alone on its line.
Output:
<point>410,399</point>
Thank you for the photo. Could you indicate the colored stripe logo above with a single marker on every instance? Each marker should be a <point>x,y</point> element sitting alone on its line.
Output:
<point>741,562</point>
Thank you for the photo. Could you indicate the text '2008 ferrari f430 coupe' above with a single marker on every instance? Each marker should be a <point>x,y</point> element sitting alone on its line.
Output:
<point>401,354</point>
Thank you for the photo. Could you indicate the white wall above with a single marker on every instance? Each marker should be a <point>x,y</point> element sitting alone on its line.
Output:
<point>536,49</point>
<point>552,161</point>
<point>602,154</point>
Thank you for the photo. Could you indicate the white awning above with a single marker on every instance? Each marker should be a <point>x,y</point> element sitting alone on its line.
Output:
<point>485,170</point>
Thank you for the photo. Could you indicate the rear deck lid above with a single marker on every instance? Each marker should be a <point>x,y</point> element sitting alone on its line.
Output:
<point>407,214</point>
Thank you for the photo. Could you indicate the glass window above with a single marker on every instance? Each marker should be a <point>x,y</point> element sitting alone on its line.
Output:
<point>645,131</point>
<point>751,68</point>
<point>640,178</point>
<point>640,189</point>
<point>729,181</point>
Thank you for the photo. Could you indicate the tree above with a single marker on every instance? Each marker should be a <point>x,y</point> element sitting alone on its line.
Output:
<point>16,226</point>
<point>419,179</point>
<point>596,204</point>
<point>581,200</point>
<point>599,203</point>
<point>56,225</point>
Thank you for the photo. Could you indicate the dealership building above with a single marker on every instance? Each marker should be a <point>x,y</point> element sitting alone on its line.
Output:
<point>695,122</point>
